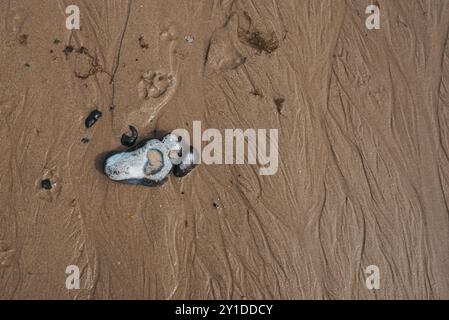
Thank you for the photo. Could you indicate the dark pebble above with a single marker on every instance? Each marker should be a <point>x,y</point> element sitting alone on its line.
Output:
<point>46,184</point>
<point>92,118</point>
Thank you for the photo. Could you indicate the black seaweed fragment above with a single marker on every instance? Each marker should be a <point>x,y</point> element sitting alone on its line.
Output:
<point>129,141</point>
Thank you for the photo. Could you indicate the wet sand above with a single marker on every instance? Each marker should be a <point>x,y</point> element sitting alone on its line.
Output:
<point>363,178</point>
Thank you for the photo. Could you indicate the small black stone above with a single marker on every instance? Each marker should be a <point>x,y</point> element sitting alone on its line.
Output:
<point>85,140</point>
<point>46,184</point>
<point>215,205</point>
<point>92,118</point>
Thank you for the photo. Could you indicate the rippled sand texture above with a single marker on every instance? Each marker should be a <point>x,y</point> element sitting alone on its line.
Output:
<point>363,119</point>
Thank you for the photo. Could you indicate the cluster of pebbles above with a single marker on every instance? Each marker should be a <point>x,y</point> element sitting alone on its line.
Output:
<point>151,161</point>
